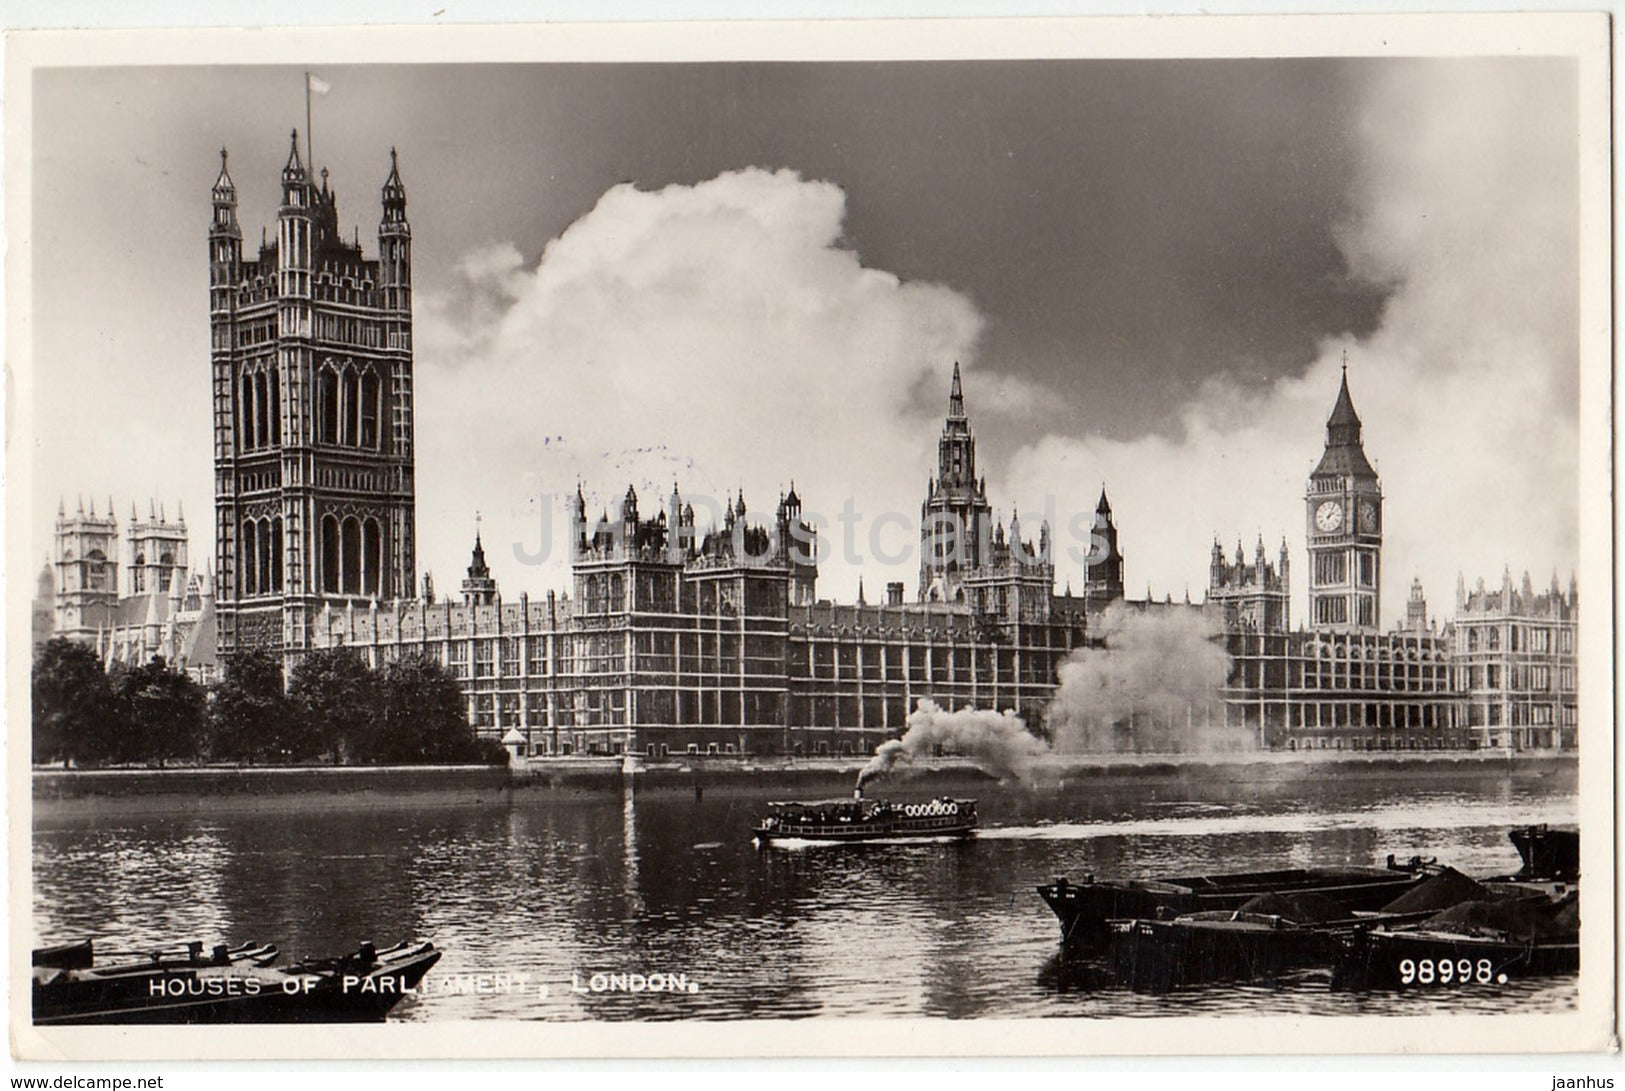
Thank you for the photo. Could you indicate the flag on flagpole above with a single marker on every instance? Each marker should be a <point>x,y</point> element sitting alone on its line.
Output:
<point>317,85</point>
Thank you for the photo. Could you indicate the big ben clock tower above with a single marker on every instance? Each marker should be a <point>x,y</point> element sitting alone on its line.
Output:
<point>1344,509</point>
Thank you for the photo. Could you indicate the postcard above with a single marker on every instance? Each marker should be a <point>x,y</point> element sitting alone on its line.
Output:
<point>886,538</point>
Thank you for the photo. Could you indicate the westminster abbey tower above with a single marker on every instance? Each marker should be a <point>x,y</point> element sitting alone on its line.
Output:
<point>311,354</point>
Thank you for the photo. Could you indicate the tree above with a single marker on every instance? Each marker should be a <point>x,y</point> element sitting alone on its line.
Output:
<point>162,714</point>
<point>73,708</point>
<point>253,719</point>
<point>337,699</point>
<point>425,717</point>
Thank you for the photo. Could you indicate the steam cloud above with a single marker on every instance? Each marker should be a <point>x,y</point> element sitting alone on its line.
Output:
<point>1155,685</point>
<point>998,742</point>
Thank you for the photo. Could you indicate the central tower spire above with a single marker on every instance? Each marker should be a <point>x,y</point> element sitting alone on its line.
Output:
<point>955,517</point>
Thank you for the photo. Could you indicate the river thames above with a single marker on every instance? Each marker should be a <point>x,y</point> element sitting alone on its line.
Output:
<point>538,896</point>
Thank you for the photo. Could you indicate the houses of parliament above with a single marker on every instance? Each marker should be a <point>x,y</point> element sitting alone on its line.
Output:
<point>676,639</point>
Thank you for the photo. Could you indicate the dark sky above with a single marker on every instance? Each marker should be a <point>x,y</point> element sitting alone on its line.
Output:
<point>1173,219</point>
<point>1128,232</point>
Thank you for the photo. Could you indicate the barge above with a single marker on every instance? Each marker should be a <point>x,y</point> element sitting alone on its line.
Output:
<point>1473,944</point>
<point>229,985</point>
<point>1084,909</point>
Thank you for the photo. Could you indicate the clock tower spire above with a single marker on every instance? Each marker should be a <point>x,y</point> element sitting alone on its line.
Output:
<point>1344,511</point>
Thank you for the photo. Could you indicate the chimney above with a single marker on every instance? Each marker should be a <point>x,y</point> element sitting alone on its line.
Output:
<point>894,593</point>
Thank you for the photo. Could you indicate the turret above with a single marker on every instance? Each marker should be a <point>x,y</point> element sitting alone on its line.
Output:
<point>395,242</point>
<point>479,589</point>
<point>295,228</point>
<point>578,515</point>
<point>225,240</point>
<point>1416,609</point>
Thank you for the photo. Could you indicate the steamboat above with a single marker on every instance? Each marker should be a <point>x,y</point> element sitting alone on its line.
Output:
<point>861,819</point>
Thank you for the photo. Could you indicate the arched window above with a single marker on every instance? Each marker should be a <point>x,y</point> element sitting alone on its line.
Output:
<point>263,531</point>
<point>350,424</point>
<point>262,410</point>
<point>245,412</point>
<point>351,553</point>
<point>166,569</point>
<point>139,576</point>
<point>327,407</point>
<point>370,409</point>
<point>276,554</point>
<point>372,555</point>
<point>248,552</point>
<point>330,555</point>
<point>96,570</point>
<point>275,382</point>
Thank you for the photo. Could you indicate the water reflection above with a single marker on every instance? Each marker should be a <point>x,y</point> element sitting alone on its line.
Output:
<point>557,887</point>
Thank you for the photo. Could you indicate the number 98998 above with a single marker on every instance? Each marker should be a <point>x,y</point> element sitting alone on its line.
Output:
<point>1445,971</point>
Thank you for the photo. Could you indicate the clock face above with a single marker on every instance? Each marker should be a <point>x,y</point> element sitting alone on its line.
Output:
<point>1329,516</point>
<point>1368,516</point>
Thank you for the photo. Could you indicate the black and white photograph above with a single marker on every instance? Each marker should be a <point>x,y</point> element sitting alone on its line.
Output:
<point>977,537</point>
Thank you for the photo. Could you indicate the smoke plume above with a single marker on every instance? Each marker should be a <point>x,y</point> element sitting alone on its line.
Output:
<point>998,742</point>
<point>1153,685</point>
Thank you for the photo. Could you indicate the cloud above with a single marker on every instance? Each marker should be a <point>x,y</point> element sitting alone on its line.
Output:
<point>716,334</point>
<point>1465,208</point>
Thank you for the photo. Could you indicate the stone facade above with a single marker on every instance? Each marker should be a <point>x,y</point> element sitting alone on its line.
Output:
<point>165,610</point>
<point>1514,662</point>
<point>311,348</point>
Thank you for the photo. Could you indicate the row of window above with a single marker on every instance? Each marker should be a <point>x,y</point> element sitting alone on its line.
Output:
<point>1331,569</point>
<point>349,330</point>
<point>605,592</point>
<point>256,331</point>
<point>1334,610</point>
<point>349,405</point>
<point>259,556</point>
<point>1520,713</point>
<point>352,556</point>
<point>1519,638</point>
<point>259,408</point>
<point>1517,676</point>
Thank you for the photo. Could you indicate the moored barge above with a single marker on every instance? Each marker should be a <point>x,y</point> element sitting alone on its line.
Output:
<point>228,985</point>
<point>861,819</point>
<point>1473,944</point>
<point>1085,908</point>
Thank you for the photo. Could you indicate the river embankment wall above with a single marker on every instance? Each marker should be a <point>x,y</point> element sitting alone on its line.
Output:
<point>57,792</point>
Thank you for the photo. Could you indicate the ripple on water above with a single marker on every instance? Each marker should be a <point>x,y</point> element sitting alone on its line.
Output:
<point>556,892</point>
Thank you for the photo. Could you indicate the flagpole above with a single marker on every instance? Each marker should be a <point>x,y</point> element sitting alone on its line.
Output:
<point>310,153</point>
